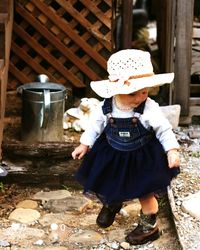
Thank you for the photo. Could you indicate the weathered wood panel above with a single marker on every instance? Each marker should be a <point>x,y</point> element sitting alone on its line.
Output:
<point>166,22</point>
<point>6,21</point>
<point>68,40</point>
<point>183,49</point>
<point>127,24</point>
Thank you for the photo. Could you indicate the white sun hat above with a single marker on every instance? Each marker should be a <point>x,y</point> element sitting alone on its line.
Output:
<point>129,71</point>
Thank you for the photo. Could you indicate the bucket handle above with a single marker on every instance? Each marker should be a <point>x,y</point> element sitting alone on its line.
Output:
<point>46,109</point>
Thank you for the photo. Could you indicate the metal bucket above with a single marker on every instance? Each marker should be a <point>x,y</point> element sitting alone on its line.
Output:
<point>43,106</point>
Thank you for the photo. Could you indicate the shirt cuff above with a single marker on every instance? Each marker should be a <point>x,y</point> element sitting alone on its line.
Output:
<point>86,140</point>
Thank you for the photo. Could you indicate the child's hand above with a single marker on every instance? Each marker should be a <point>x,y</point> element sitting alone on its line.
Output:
<point>79,151</point>
<point>173,158</point>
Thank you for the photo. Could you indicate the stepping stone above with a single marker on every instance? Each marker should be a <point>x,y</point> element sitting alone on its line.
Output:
<point>68,204</point>
<point>23,215</point>
<point>52,195</point>
<point>27,204</point>
<point>191,205</point>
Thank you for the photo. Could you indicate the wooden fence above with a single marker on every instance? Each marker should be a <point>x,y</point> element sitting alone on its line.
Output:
<point>68,40</point>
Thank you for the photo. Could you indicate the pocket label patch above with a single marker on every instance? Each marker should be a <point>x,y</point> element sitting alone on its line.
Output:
<point>124,134</point>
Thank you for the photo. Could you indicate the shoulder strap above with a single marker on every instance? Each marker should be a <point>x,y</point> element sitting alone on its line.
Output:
<point>140,108</point>
<point>107,106</point>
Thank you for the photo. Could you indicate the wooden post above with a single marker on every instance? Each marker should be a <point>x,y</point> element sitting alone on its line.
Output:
<point>165,37</point>
<point>127,13</point>
<point>6,21</point>
<point>183,47</point>
<point>169,50</point>
<point>169,34</point>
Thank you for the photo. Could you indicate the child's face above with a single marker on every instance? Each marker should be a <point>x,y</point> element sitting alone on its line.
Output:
<point>136,98</point>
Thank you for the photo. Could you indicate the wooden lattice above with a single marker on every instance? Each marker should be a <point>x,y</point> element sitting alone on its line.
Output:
<point>68,40</point>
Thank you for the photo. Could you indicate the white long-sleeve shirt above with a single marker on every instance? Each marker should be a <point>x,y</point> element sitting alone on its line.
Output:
<point>152,117</point>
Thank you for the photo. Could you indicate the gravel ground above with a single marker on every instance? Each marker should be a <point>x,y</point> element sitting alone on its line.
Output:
<point>187,227</point>
<point>187,183</point>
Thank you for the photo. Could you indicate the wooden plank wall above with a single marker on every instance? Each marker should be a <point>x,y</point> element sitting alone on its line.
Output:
<point>175,22</point>
<point>68,40</point>
<point>183,49</point>
<point>166,21</point>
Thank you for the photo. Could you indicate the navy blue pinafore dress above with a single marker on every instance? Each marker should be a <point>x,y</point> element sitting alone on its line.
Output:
<point>127,161</point>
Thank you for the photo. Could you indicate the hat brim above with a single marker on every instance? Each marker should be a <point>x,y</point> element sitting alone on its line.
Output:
<point>106,88</point>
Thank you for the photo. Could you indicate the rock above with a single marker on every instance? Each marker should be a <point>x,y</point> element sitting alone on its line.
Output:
<point>113,245</point>
<point>54,226</point>
<point>118,234</point>
<point>22,234</point>
<point>194,134</point>
<point>68,204</point>
<point>52,195</point>
<point>125,245</point>
<point>27,204</point>
<point>23,215</point>
<point>59,232</point>
<point>191,205</point>
<point>55,248</point>
<point>172,113</point>
<point>88,220</point>
<point>39,243</point>
<point>4,243</point>
<point>58,218</point>
<point>85,237</point>
<point>132,209</point>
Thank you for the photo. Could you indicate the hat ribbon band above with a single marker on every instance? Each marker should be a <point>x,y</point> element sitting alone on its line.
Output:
<point>133,77</point>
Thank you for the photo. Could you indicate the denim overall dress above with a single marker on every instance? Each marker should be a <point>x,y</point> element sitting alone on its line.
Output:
<point>126,134</point>
<point>127,161</point>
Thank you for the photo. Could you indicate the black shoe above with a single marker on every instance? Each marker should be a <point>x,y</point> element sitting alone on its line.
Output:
<point>107,214</point>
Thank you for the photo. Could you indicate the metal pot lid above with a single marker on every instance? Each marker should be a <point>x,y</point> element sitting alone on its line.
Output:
<point>42,84</point>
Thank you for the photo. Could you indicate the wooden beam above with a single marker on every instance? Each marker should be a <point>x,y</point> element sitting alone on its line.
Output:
<point>4,11</point>
<point>166,26</point>
<point>165,33</point>
<point>183,48</point>
<point>127,13</point>
<point>2,41</point>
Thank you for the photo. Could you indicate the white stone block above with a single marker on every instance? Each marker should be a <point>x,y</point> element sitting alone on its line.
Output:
<point>191,205</point>
<point>172,113</point>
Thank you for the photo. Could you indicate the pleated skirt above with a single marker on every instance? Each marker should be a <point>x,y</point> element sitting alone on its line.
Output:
<point>117,176</point>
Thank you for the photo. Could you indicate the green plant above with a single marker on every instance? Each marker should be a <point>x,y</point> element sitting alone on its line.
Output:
<point>196,154</point>
<point>1,187</point>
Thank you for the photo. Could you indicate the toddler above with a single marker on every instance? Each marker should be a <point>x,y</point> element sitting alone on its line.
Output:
<point>129,148</point>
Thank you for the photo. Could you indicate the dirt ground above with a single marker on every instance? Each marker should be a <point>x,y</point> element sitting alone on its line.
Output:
<point>45,174</point>
<point>11,195</point>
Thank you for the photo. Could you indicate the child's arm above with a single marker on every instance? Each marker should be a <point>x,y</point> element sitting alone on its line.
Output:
<point>164,132</point>
<point>94,128</point>
<point>80,151</point>
<point>173,158</point>
<point>161,126</point>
